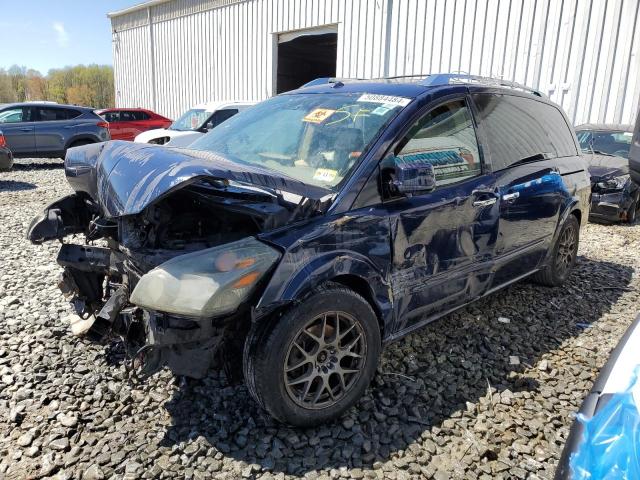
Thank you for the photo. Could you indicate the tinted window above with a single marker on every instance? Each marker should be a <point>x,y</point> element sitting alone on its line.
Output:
<point>222,115</point>
<point>141,115</point>
<point>444,137</point>
<point>16,115</point>
<point>132,116</point>
<point>111,116</point>
<point>519,128</point>
<point>47,114</point>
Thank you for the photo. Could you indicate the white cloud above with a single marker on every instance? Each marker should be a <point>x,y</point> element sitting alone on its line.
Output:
<point>62,37</point>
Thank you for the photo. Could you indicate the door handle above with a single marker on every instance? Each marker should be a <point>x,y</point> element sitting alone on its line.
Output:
<point>29,129</point>
<point>510,197</point>
<point>485,203</point>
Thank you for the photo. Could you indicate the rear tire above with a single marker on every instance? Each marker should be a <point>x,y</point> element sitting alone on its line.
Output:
<point>315,362</point>
<point>563,255</point>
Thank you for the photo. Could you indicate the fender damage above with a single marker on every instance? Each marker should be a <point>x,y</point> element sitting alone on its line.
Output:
<point>161,224</point>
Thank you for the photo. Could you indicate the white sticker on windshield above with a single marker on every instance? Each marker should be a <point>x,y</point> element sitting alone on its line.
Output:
<point>384,99</point>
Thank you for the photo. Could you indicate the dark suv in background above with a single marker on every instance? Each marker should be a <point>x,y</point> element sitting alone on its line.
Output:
<point>304,233</point>
<point>33,129</point>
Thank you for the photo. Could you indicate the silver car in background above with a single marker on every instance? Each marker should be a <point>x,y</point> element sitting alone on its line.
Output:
<point>45,129</point>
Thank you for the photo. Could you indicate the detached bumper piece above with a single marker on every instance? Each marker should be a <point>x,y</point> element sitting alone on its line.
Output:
<point>64,217</point>
<point>187,346</point>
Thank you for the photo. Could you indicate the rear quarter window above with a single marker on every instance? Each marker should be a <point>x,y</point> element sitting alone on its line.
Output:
<point>518,128</point>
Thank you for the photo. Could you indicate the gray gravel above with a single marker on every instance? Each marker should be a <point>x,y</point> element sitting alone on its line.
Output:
<point>487,392</point>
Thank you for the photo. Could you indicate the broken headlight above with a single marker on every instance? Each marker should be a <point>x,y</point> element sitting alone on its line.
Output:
<point>616,183</point>
<point>207,283</point>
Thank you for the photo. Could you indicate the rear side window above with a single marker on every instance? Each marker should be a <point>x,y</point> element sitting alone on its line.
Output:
<point>519,129</point>
<point>132,116</point>
<point>47,114</point>
<point>141,115</point>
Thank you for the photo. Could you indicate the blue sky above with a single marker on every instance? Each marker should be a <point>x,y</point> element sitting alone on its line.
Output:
<point>44,34</point>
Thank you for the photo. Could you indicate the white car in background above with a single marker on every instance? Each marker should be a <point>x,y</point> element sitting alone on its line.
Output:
<point>192,124</point>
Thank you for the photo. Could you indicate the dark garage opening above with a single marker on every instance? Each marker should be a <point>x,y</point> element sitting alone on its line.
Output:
<point>305,58</point>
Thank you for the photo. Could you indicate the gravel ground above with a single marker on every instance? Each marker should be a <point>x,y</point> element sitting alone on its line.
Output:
<point>487,392</point>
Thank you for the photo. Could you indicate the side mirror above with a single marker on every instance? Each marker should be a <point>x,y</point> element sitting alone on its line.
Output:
<point>414,177</point>
<point>206,127</point>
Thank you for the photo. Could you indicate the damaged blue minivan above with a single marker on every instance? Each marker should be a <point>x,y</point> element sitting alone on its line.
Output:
<point>292,242</point>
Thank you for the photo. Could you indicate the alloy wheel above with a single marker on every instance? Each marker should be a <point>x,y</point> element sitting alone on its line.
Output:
<point>566,250</point>
<point>324,360</point>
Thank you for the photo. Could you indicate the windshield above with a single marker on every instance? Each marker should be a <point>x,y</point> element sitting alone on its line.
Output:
<point>191,120</point>
<point>612,142</point>
<point>314,138</point>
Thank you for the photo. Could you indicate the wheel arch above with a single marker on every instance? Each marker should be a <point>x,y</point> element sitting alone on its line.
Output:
<point>348,269</point>
<point>80,138</point>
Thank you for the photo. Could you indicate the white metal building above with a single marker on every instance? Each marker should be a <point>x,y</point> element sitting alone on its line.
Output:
<point>171,54</point>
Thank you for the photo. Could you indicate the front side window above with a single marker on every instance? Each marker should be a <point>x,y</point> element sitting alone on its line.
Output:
<point>15,115</point>
<point>520,129</point>
<point>613,142</point>
<point>111,116</point>
<point>222,115</point>
<point>445,137</point>
<point>314,138</point>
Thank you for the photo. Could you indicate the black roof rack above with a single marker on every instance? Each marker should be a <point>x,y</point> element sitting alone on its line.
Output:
<point>452,78</point>
<point>438,79</point>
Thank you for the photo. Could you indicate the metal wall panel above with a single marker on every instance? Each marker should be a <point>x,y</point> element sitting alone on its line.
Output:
<point>582,53</point>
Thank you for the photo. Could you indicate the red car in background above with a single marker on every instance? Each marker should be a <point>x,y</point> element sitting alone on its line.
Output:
<point>126,123</point>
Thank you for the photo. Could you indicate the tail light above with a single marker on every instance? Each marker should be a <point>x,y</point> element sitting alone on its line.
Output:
<point>103,124</point>
<point>3,142</point>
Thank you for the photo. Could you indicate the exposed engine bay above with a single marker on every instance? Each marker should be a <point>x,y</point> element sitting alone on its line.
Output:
<point>175,276</point>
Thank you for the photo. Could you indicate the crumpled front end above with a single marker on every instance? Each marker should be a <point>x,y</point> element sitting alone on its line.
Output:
<point>611,200</point>
<point>174,274</point>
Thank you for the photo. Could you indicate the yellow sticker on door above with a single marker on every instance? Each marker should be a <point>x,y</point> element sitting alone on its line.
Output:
<point>325,175</point>
<point>318,115</point>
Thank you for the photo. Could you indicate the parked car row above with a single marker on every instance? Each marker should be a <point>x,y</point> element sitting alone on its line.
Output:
<point>301,235</point>
<point>192,124</point>
<point>48,129</point>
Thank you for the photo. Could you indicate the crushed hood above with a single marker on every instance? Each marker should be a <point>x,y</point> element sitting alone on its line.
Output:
<point>603,167</point>
<point>126,177</point>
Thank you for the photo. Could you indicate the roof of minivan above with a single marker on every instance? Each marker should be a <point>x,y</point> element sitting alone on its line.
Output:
<point>605,127</point>
<point>414,85</point>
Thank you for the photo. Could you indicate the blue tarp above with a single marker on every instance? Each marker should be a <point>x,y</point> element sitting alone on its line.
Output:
<point>610,447</point>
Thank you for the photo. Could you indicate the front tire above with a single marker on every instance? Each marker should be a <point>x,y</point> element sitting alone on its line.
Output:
<point>563,255</point>
<point>314,363</point>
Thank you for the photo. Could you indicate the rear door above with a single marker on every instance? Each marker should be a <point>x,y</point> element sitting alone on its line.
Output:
<point>530,146</point>
<point>443,241</point>
<point>18,127</point>
<point>54,127</point>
